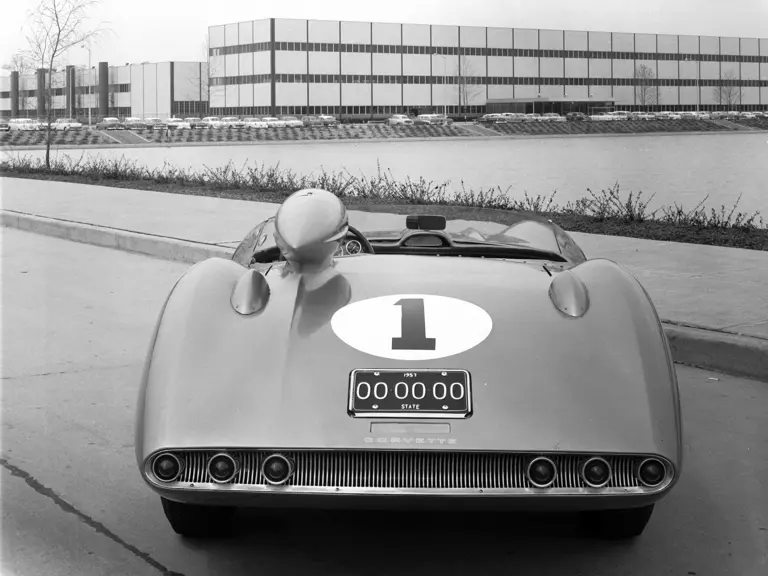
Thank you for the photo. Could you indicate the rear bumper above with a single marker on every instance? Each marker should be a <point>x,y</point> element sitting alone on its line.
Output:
<point>278,497</point>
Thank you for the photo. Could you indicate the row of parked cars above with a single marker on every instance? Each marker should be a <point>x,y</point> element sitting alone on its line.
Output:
<point>512,117</point>
<point>32,124</point>
<point>230,122</point>
<point>214,122</point>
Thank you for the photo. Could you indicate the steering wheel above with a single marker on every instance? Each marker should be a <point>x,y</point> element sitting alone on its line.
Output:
<point>366,245</point>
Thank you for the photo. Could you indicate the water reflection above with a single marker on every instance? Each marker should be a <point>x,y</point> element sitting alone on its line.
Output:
<point>682,168</point>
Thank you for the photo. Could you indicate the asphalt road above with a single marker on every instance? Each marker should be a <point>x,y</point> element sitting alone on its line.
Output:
<point>75,325</point>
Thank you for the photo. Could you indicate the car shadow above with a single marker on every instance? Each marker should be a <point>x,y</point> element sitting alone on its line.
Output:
<point>389,542</point>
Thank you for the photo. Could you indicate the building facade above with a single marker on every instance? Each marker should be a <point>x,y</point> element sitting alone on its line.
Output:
<point>141,90</point>
<point>287,66</point>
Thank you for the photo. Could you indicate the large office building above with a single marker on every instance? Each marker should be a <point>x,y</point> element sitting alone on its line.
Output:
<point>143,90</point>
<point>363,69</point>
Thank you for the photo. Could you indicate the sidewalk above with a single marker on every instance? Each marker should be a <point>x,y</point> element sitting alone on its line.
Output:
<point>718,288</point>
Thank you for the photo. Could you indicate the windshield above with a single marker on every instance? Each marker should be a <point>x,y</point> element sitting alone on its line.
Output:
<point>515,235</point>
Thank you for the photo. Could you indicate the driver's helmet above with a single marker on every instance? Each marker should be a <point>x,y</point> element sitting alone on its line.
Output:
<point>310,225</point>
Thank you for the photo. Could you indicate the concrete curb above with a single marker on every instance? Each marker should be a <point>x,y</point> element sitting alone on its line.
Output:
<point>717,350</point>
<point>174,249</point>
<point>692,346</point>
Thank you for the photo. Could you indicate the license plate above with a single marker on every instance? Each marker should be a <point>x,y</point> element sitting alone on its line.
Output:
<point>410,393</point>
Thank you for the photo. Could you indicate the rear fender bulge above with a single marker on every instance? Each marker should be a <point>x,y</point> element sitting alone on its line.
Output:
<point>178,297</point>
<point>208,360</point>
<point>139,416</point>
<point>616,294</point>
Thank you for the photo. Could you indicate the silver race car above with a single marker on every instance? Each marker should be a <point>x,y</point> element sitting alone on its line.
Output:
<point>375,360</point>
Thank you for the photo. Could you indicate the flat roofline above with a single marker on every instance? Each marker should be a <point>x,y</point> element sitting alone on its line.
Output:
<point>497,28</point>
<point>547,99</point>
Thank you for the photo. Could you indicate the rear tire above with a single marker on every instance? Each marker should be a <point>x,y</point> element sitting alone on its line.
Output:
<point>618,524</point>
<point>195,521</point>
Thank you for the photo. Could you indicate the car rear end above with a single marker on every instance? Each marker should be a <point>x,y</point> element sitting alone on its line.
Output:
<point>594,425</point>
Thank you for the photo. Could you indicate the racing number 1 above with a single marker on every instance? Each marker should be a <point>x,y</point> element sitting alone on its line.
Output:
<point>413,327</point>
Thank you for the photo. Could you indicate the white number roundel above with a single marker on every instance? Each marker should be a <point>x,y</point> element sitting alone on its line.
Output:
<point>412,326</point>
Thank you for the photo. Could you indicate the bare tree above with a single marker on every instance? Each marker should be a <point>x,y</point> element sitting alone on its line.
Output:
<point>21,63</point>
<point>646,93</point>
<point>468,89</point>
<point>56,26</point>
<point>727,94</point>
<point>203,78</point>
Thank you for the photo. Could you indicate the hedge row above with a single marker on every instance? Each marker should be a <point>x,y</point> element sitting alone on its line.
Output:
<point>610,127</point>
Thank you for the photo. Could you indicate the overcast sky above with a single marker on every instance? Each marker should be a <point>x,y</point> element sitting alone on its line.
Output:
<point>162,30</point>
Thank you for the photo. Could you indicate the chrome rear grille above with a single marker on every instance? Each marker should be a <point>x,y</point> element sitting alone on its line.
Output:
<point>424,470</point>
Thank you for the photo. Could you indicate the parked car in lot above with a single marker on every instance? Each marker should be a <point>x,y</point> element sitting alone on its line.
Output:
<point>445,120</point>
<point>110,124</point>
<point>253,122</point>
<point>328,120</point>
<point>134,123</point>
<point>533,117</point>
<point>156,124</point>
<point>601,117</point>
<point>399,120</point>
<point>64,124</point>
<point>492,119</point>
<point>292,122</point>
<point>575,117</point>
<point>436,119</point>
<point>668,115</point>
<point>747,116</point>
<point>273,122</point>
<point>688,116</point>
<point>22,124</point>
<point>212,122</point>
<point>717,115</point>
<point>645,116</point>
<point>194,122</point>
<point>178,124</point>
<point>513,117</point>
<point>5,126</point>
<point>552,117</point>
<point>232,122</point>
<point>311,121</point>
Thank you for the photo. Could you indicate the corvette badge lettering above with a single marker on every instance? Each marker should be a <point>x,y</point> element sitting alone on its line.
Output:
<point>412,326</point>
<point>409,440</point>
